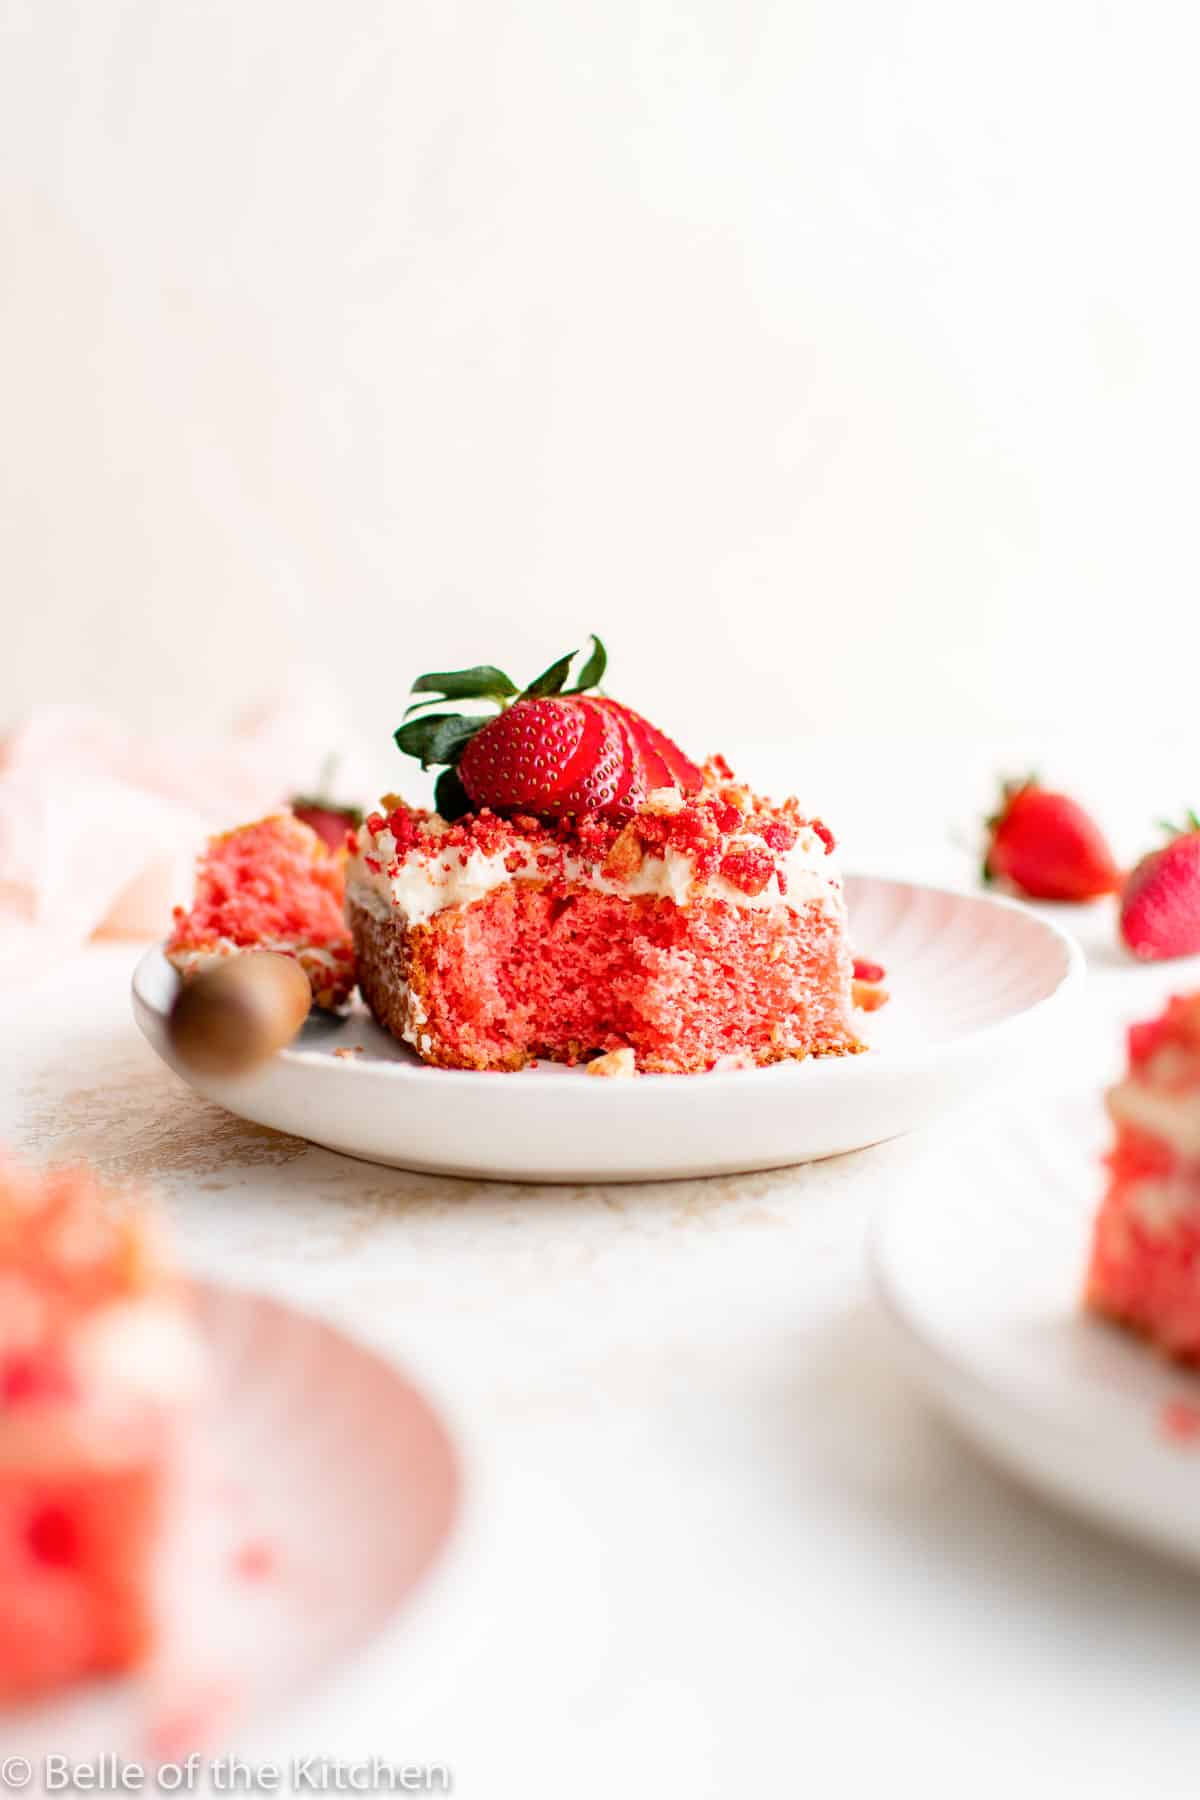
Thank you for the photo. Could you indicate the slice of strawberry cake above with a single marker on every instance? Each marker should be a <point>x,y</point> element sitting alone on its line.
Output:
<point>272,885</point>
<point>99,1362</point>
<point>1145,1258</point>
<point>585,888</point>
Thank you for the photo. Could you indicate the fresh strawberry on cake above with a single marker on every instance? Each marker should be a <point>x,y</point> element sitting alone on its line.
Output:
<point>272,885</point>
<point>99,1366</point>
<point>1145,1259</point>
<point>586,888</point>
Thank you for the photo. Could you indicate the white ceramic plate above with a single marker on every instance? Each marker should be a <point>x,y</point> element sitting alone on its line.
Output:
<point>973,982</point>
<point>322,1492</point>
<point>981,1266</point>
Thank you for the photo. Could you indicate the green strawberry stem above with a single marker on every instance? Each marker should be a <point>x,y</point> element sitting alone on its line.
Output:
<point>437,739</point>
<point>1192,823</point>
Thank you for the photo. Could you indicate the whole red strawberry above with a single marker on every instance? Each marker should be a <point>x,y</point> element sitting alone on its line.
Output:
<point>1160,902</point>
<point>550,748</point>
<point>322,814</point>
<point>1048,847</point>
<point>330,821</point>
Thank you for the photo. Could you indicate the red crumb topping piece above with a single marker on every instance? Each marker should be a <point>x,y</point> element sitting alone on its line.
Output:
<point>868,971</point>
<point>33,1377</point>
<point>1177,1029</point>
<point>1179,1420</point>
<point>748,869</point>
<point>718,829</point>
<point>254,1560</point>
<point>1136,1156</point>
<point>273,881</point>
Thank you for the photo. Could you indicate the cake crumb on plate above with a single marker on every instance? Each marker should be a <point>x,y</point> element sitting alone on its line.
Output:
<point>614,1063</point>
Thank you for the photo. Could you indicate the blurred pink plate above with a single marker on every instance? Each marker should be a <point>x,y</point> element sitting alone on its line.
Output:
<point>324,1491</point>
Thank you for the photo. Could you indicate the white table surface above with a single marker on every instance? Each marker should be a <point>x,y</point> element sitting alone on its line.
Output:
<point>717,1544</point>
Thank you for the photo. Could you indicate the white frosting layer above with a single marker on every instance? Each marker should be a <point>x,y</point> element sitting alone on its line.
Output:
<point>424,885</point>
<point>1175,1118</point>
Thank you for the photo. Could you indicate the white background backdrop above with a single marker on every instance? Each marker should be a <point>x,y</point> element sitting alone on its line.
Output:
<point>838,361</point>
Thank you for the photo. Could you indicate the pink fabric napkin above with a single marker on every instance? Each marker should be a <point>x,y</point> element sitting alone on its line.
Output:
<point>100,825</point>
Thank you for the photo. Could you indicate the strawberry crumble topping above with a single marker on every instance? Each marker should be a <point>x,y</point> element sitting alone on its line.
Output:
<point>727,831</point>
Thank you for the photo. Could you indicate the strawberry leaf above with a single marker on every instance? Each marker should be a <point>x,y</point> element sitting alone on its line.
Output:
<point>551,680</point>
<point>592,672</point>
<point>481,683</point>
<point>450,796</point>
<point>438,737</point>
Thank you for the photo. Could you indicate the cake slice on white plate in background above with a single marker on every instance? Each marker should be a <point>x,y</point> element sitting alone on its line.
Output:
<point>100,1366</point>
<point>1144,1270</point>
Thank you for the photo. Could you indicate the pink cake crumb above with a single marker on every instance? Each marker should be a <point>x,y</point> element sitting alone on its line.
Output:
<point>271,885</point>
<point>1179,1420</point>
<point>255,1560</point>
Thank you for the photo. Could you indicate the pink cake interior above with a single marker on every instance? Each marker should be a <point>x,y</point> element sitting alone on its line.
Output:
<point>269,882</point>
<point>270,885</point>
<point>533,972</point>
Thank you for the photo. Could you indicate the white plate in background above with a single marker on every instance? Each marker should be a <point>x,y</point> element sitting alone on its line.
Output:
<point>975,981</point>
<point>981,1265</point>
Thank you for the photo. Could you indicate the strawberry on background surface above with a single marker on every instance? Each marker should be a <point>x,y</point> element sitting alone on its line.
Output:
<point>1047,847</point>
<point>322,813</point>
<point>330,822</point>
<point>1160,902</point>
<point>549,748</point>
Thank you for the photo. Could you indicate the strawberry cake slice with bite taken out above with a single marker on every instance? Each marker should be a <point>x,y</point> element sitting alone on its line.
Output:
<point>271,885</point>
<point>585,888</point>
<point>100,1367</point>
<point>1144,1270</point>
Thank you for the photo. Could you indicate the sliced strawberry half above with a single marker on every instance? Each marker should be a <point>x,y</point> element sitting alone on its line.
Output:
<point>664,762</point>
<point>551,748</point>
<point>634,783</point>
<point>529,756</point>
<point>603,770</point>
